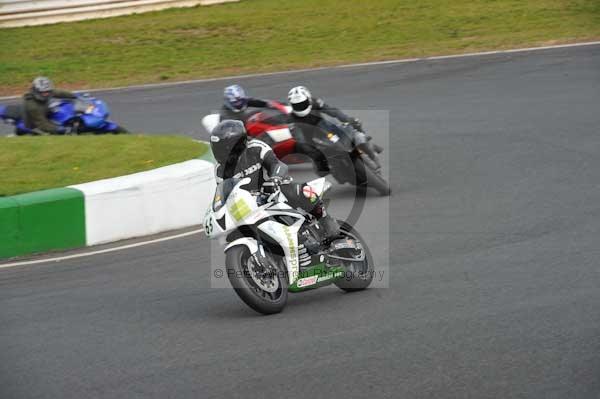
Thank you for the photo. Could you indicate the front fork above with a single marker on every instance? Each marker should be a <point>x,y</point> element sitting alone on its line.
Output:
<point>368,152</point>
<point>257,252</point>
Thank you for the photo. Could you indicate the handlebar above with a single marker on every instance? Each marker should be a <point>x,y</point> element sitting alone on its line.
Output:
<point>277,181</point>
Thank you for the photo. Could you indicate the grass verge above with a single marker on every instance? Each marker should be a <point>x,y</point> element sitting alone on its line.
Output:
<point>268,35</point>
<point>37,163</point>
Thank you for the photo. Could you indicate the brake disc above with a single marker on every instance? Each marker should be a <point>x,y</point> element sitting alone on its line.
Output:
<point>266,280</point>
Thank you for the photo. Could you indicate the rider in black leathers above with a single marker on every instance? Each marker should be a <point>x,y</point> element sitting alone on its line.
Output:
<point>307,114</point>
<point>239,157</point>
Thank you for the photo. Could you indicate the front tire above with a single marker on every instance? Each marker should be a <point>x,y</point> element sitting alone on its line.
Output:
<point>239,273</point>
<point>377,181</point>
<point>120,130</point>
<point>366,177</point>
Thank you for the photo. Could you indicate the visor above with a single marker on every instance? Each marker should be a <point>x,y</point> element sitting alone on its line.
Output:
<point>303,106</point>
<point>221,153</point>
<point>239,104</point>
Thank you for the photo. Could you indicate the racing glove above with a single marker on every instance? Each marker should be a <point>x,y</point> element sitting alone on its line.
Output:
<point>356,124</point>
<point>280,180</point>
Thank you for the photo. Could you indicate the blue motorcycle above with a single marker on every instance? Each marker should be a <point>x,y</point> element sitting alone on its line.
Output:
<point>84,114</point>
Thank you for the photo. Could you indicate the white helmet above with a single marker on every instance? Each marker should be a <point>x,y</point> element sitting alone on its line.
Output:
<point>301,101</point>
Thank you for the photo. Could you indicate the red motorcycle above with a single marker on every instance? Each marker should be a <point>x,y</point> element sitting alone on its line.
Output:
<point>347,163</point>
<point>272,127</point>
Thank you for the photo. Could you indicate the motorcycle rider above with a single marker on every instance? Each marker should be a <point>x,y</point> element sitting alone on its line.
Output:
<point>35,106</point>
<point>238,157</point>
<point>235,102</point>
<point>307,112</point>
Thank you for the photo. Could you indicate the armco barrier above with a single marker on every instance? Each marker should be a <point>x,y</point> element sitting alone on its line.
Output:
<point>15,13</point>
<point>145,203</point>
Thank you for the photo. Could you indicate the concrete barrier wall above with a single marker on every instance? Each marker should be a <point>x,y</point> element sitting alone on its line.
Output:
<point>140,204</point>
<point>14,13</point>
<point>147,203</point>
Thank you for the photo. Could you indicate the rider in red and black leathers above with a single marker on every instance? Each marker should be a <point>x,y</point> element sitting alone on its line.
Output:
<point>236,103</point>
<point>238,157</point>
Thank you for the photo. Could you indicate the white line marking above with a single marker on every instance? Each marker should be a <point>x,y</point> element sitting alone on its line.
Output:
<point>102,251</point>
<point>364,64</point>
<point>465,55</point>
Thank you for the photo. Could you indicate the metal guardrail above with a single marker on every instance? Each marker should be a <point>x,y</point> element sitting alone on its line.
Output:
<point>38,12</point>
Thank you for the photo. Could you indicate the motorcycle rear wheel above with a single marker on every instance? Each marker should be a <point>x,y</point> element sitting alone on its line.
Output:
<point>361,276</point>
<point>240,276</point>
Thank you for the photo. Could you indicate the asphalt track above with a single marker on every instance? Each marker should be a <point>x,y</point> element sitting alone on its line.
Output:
<point>493,249</point>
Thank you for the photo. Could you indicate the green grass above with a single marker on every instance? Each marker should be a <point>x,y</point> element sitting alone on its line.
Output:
<point>268,35</point>
<point>37,163</point>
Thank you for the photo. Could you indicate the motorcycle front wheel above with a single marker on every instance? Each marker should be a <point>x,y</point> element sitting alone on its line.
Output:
<point>264,290</point>
<point>367,177</point>
<point>120,130</point>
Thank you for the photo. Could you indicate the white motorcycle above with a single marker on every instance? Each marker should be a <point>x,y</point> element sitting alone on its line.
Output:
<point>272,248</point>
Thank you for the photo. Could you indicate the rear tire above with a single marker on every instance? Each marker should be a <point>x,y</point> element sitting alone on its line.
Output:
<point>236,261</point>
<point>361,278</point>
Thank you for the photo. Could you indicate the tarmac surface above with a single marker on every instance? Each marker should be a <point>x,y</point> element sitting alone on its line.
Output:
<point>490,248</point>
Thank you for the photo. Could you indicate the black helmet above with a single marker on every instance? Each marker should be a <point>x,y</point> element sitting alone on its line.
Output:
<point>227,140</point>
<point>42,88</point>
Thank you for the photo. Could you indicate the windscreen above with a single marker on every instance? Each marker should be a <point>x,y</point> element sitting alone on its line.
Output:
<point>80,106</point>
<point>223,191</point>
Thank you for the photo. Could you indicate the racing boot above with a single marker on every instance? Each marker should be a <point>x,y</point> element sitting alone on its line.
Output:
<point>330,227</point>
<point>321,168</point>
<point>320,163</point>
